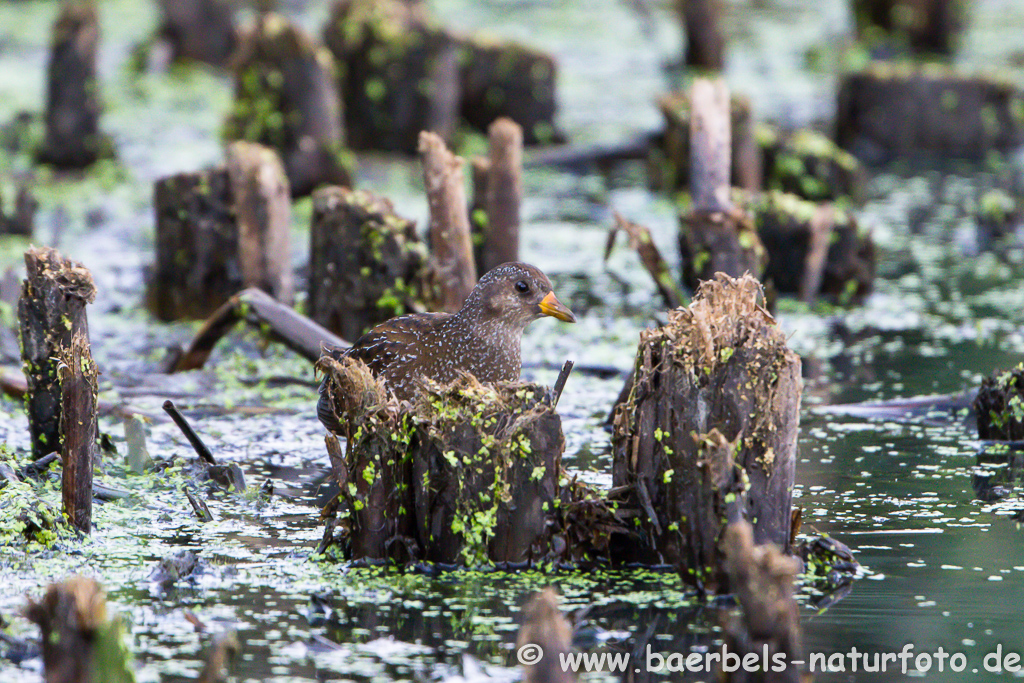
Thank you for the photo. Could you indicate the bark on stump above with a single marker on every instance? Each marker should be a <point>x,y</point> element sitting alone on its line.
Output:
<point>702,24</point>
<point>73,138</point>
<point>202,30</point>
<point>451,242</point>
<point>506,79</point>
<point>286,97</point>
<point>219,231</point>
<point>51,313</point>
<point>896,110</point>
<point>809,165</point>
<point>367,264</point>
<point>999,406</point>
<point>80,643</point>
<point>708,433</point>
<point>398,73</point>
<point>668,163</point>
<point>468,475</point>
<point>78,389</point>
<point>922,26</point>
<point>814,249</point>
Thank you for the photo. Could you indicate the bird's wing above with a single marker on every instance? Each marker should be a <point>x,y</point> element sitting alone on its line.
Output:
<point>395,341</point>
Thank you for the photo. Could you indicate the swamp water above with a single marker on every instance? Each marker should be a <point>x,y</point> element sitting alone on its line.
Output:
<point>942,569</point>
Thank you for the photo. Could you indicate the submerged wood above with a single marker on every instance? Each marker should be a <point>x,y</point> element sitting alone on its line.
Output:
<point>51,312</point>
<point>450,240</point>
<point>709,430</point>
<point>367,264</point>
<point>286,97</point>
<point>81,644</point>
<point>202,30</point>
<point>73,138</point>
<point>78,390</point>
<point>263,312</point>
<point>504,194</point>
<point>640,239</point>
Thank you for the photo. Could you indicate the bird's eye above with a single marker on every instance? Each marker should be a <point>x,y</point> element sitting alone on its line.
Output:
<point>522,287</point>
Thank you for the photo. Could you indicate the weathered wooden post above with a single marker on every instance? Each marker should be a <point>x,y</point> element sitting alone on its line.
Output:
<point>51,313</point>
<point>367,264</point>
<point>708,433</point>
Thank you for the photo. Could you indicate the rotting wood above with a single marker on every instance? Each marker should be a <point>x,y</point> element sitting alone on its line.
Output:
<point>367,264</point>
<point>504,194</point>
<point>260,310</point>
<point>259,193</point>
<point>640,240</point>
<point>51,312</point>
<point>78,389</point>
<point>550,635</point>
<point>559,386</point>
<point>73,137</point>
<point>202,30</point>
<point>709,429</point>
<point>81,644</point>
<point>200,448</point>
<point>450,240</point>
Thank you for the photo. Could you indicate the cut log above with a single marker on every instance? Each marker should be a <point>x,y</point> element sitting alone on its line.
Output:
<point>367,264</point>
<point>504,194</point>
<point>398,73</point>
<point>202,30</point>
<point>73,138</point>
<point>450,240</point>
<point>702,24</point>
<point>286,97</point>
<point>708,433</point>
<point>509,80</point>
<point>78,389</point>
<point>51,313</point>
<point>809,165</point>
<point>897,110</point>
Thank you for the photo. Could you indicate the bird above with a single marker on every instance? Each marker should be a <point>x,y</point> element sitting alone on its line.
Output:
<point>482,338</point>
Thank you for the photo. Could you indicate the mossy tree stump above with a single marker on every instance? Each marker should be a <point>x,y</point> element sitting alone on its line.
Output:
<point>397,72</point>
<point>509,80</point>
<point>219,231</point>
<point>1000,406</point>
<point>367,264</point>
<point>808,164</point>
<point>286,98</point>
<point>51,313</point>
<point>73,138</point>
<point>814,249</point>
<point>895,110</point>
<point>467,475</point>
<point>708,433</point>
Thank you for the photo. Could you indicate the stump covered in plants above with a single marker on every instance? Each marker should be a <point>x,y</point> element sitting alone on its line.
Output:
<point>467,475</point>
<point>286,98</point>
<point>367,264</point>
<point>51,313</point>
<point>509,80</point>
<point>809,165</point>
<point>999,406</point>
<point>397,73</point>
<point>814,249</point>
<point>73,138</point>
<point>708,433</point>
<point>895,110</point>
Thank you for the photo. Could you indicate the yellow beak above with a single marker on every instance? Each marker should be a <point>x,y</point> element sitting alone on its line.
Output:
<point>550,305</point>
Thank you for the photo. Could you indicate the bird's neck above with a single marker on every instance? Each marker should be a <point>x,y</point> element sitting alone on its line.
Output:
<point>489,335</point>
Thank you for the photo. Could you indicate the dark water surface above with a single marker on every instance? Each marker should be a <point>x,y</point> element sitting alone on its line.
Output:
<point>943,569</point>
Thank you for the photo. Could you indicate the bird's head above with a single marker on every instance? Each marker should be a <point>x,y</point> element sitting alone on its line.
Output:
<point>516,294</point>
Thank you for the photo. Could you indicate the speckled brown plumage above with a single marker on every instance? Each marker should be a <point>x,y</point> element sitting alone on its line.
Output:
<point>482,338</point>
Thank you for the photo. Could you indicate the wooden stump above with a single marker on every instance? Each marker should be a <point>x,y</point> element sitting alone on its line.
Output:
<point>896,110</point>
<point>814,249</point>
<point>809,165</point>
<point>80,643</point>
<point>708,433</point>
<point>503,195</point>
<point>73,138</point>
<point>202,30</point>
<point>51,313</point>
<point>398,73</point>
<point>367,264</point>
<point>286,98</point>
<point>999,406</point>
<point>668,162</point>
<point>219,231</point>
<point>451,242</point>
<point>22,221</point>
<point>920,26</point>
<point>509,80</point>
<point>78,389</point>
<point>702,24</point>
<point>468,476</point>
